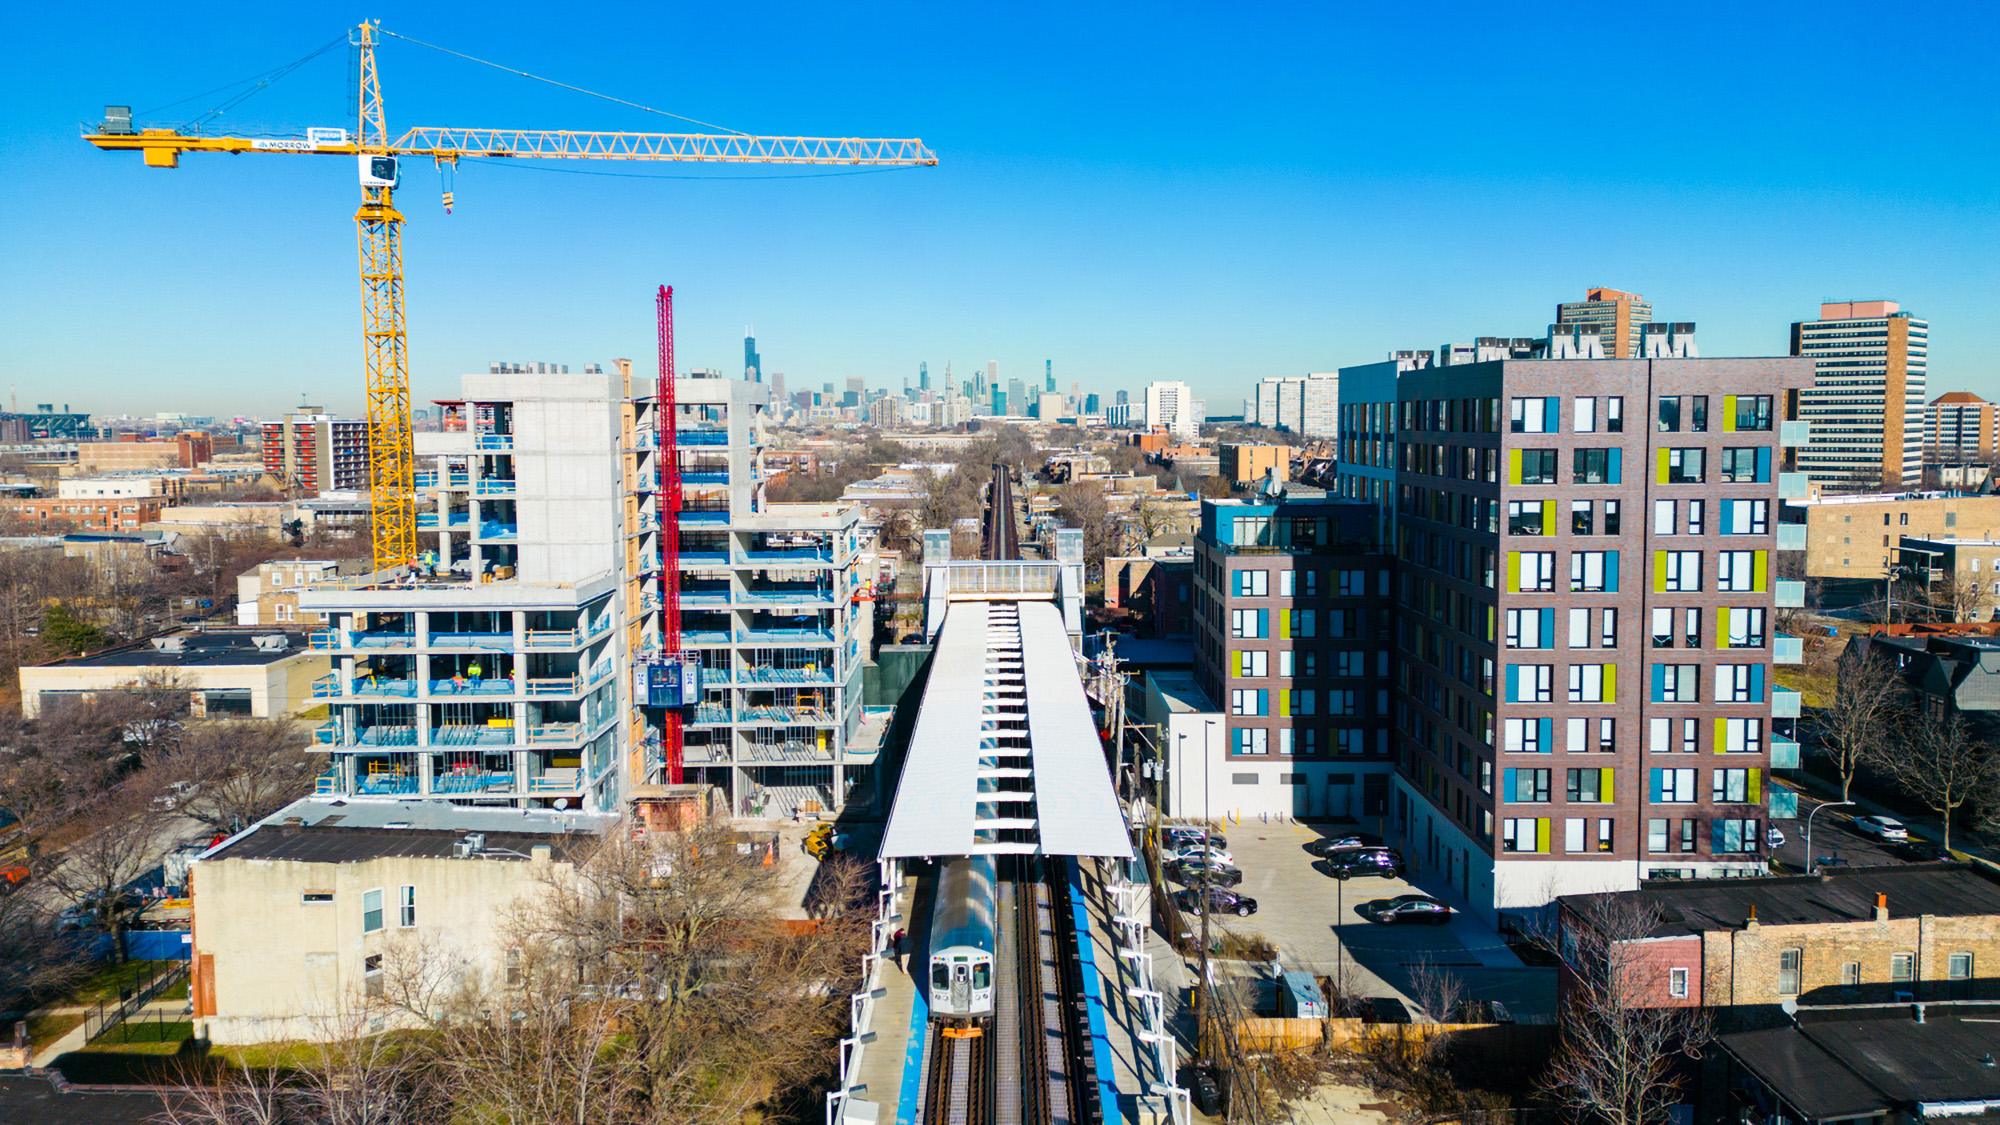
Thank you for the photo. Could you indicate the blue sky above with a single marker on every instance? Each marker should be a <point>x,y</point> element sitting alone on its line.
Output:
<point>1216,193</point>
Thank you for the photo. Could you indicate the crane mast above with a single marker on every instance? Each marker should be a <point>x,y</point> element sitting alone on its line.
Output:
<point>670,525</point>
<point>392,457</point>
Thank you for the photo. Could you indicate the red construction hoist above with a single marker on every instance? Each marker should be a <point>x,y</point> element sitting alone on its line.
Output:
<point>669,500</point>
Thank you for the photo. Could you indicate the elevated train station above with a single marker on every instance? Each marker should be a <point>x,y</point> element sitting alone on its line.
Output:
<point>1008,864</point>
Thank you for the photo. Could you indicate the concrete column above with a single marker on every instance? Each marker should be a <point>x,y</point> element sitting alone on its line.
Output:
<point>426,774</point>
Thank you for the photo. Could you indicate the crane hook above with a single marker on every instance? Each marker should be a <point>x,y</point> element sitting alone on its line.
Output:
<point>446,166</point>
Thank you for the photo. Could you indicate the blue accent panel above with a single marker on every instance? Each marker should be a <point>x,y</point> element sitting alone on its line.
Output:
<point>1552,414</point>
<point>1728,514</point>
<point>1263,623</point>
<point>1548,735</point>
<point>1611,571</point>
<point>1659,682</point>
<point>1548,628</point>
<point>1653,788</point>
<point>1513,683</point>
<point>1093,991</point>
<point>1615,471</point>
<point>1764,464</point>
<point>1756,683</point>
<point>1507,783</point>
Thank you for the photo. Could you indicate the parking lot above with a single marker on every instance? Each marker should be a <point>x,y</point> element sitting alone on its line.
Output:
<point>1311,917</point>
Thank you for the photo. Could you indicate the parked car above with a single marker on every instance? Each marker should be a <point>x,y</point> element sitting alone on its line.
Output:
<point>1380,863</point>
<point>1219,902</point>
<point>1188,835</point>
<point>1881,827</point>
<point>1342,841</point>
<point>1481,1011</point>
<point>1921,851</point>
<point>1189,872</point>
<point>1176,855</point>
<point>1384,1009</point>
<point>1406,908</point>
<point>1774,837</point>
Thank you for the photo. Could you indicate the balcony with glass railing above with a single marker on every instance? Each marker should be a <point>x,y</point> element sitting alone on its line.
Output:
<point>702,437</point>
<point>494,486</point>
<point>490,442</point>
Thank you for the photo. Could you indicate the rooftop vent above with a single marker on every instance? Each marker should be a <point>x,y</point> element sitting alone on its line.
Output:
<point>170,644</point>
<point>272,642</point>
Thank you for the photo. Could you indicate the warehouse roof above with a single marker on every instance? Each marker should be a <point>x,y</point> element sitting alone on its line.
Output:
<point>1838,894</point>
<point>1925,1060</point>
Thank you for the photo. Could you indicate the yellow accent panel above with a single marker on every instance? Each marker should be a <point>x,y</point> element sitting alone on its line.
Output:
<point>1604,777</point>
<point>1548,517</point>
<point>1659,572</point>
<point>1660,471</point>
<point>1728,414</point>
<point>1762,565</point>
<point>1611,683</point>
<point>1513,466</point>
<point>1513,572</point>
<point>1722,736</point>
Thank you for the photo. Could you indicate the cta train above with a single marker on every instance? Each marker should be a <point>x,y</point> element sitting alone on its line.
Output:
<point>961,942</point>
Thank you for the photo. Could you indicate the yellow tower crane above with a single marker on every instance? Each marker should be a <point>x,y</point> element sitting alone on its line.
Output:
<point>391,458</point>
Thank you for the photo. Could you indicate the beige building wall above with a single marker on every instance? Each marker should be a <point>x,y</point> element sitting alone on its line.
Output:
<point>1856,537</point>
<point>277,689</point>
<point>270,965</point>
<point>1741,967</point>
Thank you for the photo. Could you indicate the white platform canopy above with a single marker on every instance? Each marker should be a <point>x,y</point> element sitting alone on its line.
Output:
<point>1004,757</point>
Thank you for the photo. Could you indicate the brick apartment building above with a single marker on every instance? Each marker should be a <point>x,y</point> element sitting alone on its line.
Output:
<point>1585,597</point>
<point>1856,935</point>
<point>1291,626</point>
<point>107,514</point>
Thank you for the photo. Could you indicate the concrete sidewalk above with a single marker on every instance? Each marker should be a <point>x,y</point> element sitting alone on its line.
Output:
<point>74,1039</point>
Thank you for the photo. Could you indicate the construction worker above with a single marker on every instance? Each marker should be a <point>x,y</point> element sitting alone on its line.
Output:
<point>475,671</point>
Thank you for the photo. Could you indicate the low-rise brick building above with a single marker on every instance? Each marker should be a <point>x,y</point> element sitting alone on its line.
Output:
<point>1751,947</point>
<point>128,513</point>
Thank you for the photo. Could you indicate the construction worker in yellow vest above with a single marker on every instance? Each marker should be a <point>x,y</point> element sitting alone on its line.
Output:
<point>475,671</point>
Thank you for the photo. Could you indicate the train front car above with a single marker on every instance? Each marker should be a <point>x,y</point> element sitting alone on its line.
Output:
<point>961,976</point>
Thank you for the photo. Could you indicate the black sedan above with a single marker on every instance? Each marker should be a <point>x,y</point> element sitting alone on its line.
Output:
<point>1380,863</point>
<point>1219,902</point>
<point>1191,872</point>
<point>1384,1009</point>
<point>1921,851</point>
<point>1344,841</point>
<point>1407,908</point>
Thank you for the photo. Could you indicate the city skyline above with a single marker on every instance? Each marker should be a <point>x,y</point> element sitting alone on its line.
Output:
<point>1056,223</point>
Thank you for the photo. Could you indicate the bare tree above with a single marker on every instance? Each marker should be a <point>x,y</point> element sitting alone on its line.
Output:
<point>35,958</point>
<point>1619,1059</point>
<point>229,773</point>
<point>128,835</point>
<point>1858,719</point>
<point>1939,762</point>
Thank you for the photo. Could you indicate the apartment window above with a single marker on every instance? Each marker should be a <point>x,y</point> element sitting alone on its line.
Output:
<point>1850,975</point>
<point>1737,683</point>
<point>1788,971</point>
<point>284,611</point>
<point>1574,831</point>
<point>1743,626</point>
<point>371,974</point>
<point>1353,584</point>
<point>1902,967</point>
<point>1305,622</point>
<point>1691,626</point>
<point>1534,415</point>
<point>1959,966</point>
<point>1538,571</point>
<point>1683,571</point>
<point>1698,413</point>
<point>406,906</point>
<point>1656,835</point>
<point>1594,466</point>
<point>1530,786</point>
<point>1248,623</point>
<point>1579,628</point>
<point>1677,983</point>
<point>1520,835</point>
<point>1663,517</point>
<point>1524,736</point>
<point>1729,786</point>
<point>1254,663</point>
<point>1736,571</point>
<point>1580,518</point>
<point>1742,736</point>
<point>1608,631</point>
<point>1586,416</point>
<point>1738,465</point>
<point>316,898</point>
<point>1524,629</point>
<point>1588,683</point>
<point>1247,701</point>
<point>1687,835</point>
<point>371,911</point>
<point>1684,466</point>
<point>1538,466</point>
<point>1524,517</point>
<point>513,966</point>
<point>1531,683</point>
<point>1753,412</point>
<point>1670,414</point>
<point>1614,414</point>
<point>1252,530</point>
<point>1343,703</point>
<point>1663,627</point>
<point>1696,510</point>
<point>1593,571</point>
<point>1677,683</point>
<point>1674,787</point>
<point>1252,583</point>
<point>1604,834</point>
<point>1611,516</point>
<point>1587,787</point>
<point>1486,777</point>
<point>1746,517</point>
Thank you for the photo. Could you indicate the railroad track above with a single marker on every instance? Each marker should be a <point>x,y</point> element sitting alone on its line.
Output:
<point>999,538</point>
<point>959,1087</point>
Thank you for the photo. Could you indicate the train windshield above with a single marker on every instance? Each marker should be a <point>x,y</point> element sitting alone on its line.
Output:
<point>940,975</point>
<point>982,975</point>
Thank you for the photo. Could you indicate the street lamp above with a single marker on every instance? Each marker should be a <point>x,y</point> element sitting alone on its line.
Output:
<point>1809,819</point>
